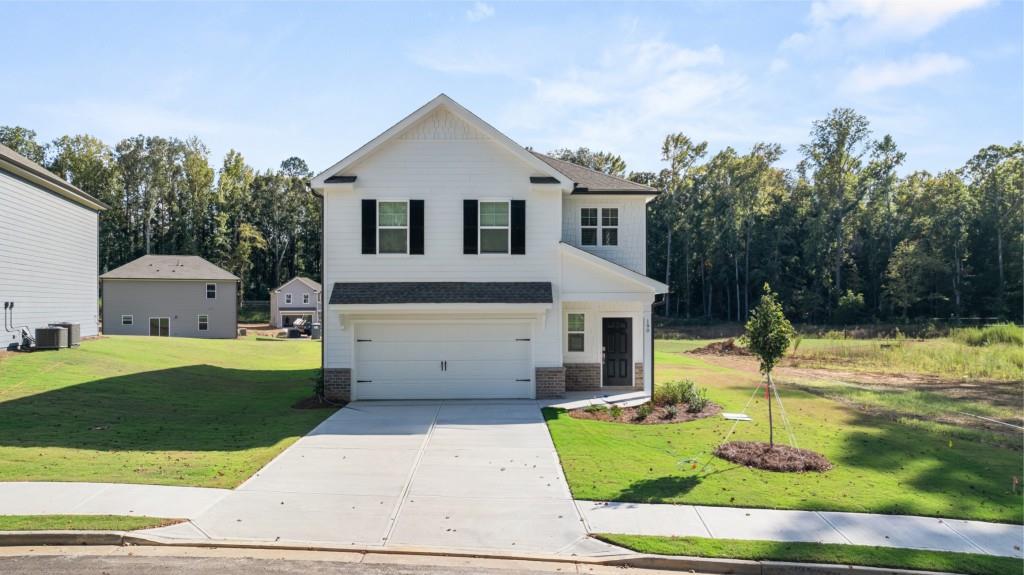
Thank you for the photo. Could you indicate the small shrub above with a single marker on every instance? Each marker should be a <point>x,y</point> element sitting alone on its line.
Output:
<point>698,401</point>
<point>796,343</point>
<point>835,334</point>
<point>850,308</point>
<point>596,408</point>
<point>670,412</point>
<point>615,412</point>
<point>672,392</point>
<point>643,412</point>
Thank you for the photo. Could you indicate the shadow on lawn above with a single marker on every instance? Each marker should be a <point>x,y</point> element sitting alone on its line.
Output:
<point>192,408</point>
<point>658,489</point>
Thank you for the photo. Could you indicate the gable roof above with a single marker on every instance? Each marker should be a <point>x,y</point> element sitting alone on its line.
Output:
<point>154,267</point>
<point>19,165</point>
<point>612,267</point>
<point>441,101</point>
<point>315,286</point>
<point>590,181</point>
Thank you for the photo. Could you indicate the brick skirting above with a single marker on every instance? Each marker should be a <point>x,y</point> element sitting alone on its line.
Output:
<point>582,376</point>
<point>338,384</point>
<point>550,382</point>
<point>638,375</point>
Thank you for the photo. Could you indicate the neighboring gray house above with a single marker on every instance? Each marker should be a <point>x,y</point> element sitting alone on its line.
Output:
<point>49,252</point>
<point>176,296</point>
<point>297,298</point>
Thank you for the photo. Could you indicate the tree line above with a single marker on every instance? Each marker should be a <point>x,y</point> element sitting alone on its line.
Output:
<point>166,197</point>
<point>842,238</point>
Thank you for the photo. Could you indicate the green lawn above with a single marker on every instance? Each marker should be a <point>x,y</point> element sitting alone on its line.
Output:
<point>80,522</point>
<point>967,563</point>
<point>882,464</point>
<point>170,411</point>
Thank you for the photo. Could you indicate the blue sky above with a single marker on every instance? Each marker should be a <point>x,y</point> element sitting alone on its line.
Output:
<point>944,77</point>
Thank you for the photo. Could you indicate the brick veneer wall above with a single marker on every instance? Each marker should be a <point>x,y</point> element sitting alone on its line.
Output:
<point>338,383</point>
<point>550,382</point>
<point>582,376</point>
<point>638,375</point>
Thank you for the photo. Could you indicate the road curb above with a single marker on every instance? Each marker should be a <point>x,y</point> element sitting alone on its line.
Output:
<point>639,561</point>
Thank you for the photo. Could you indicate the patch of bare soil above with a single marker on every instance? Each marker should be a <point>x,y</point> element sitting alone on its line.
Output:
<point>727,348</point>
<point>658,414</point>
<point>772,458</point>
<point>314,402</point>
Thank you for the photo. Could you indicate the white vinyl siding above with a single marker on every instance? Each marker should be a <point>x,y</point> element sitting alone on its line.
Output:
<point>589,222</point>
<point>48,258</point>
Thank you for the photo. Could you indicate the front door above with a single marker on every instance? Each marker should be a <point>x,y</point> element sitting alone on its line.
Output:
<point>617,338</point>
<point>160,326</point>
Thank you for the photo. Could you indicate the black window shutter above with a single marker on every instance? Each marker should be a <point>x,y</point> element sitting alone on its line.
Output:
<point>469,226</point>
<point>369,226</point>
<point>518,227</point>
<point>416,227</point>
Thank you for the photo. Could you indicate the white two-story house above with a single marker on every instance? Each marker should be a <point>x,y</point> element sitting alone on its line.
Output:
<point>458,264</point>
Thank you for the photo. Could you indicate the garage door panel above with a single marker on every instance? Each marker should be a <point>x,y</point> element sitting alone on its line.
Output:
<point>446,350</point>
<point>443,360</point>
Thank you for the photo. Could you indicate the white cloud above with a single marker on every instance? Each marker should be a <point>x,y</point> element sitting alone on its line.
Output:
<point>778,65</point>
<point>874,77</point>
<point>479,11</point>
<point>908,18</point>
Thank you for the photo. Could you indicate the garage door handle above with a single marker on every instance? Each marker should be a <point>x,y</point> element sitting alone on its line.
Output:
<point>523,379</point>
<point>522,339</point>
<point>362,340</point>
<point>364,381</point>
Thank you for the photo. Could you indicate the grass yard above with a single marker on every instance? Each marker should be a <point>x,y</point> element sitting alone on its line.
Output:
<point>940,561</point>
<point>81,522</point>
<point>169,411</point>
<point>883,463</point>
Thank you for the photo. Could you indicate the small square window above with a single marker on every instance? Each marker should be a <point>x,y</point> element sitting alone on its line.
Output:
<point>588,216</point>
<point>610,217</point>
<point>588,236</point>
<point>127,320</point>
<point>576,331</point>
<point>609,236</point>
<point>204,322</point>
<point>305,298</point>
<point>211,291</point>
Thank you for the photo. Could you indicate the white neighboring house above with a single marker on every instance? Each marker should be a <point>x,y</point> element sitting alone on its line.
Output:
<point>49,249</point>
<point>299,297</point>
<point>462,265</point>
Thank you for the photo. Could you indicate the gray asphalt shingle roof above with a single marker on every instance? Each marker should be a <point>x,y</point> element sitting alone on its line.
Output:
<point>169,268</point>
<point>592,181</point>
<point>440,292</point>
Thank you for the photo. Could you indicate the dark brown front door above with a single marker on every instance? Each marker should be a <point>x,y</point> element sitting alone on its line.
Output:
<point>618,351</point>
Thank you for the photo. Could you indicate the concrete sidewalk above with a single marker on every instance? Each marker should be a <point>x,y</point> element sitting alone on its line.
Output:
<point>811,526</point>
<point>71,498</point>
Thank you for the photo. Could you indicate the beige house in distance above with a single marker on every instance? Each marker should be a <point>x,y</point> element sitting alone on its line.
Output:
<point>299,297</point>
<point>170,296</point>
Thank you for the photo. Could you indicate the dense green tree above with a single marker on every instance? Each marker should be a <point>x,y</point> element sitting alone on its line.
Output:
<point>600,161</point>
<point>23,141</point>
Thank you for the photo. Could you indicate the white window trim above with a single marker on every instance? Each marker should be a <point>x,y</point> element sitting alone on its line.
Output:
<point>408,217</point>
<point>208,291</point>
<point>600,221</point>
<point>305,298</point>
<point>569,332</point>
<point>199,322</point>
<point>131,320</point>
<point>600,227</point>
<point>288,299</point>
<point>480,228</point>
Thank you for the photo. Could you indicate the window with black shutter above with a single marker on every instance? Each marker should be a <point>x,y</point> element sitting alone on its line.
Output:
<point>369,226</point>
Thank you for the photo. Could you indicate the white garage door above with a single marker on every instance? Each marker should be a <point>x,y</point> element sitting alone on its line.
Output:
<point>443,360</point>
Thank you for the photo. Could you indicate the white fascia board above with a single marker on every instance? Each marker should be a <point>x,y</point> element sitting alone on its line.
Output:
<point>641,297</point>
<point>654,285</point>
<point>442,100</point>
<point>403,308</point>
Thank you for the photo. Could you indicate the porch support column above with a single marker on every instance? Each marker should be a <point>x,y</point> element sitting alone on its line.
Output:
<point>648,338</point>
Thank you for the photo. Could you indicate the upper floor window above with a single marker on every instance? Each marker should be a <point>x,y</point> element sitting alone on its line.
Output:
<point>211,291</point>
<point>606,227</point>
<point>287,298</point>
<point>305,298</point>
<point>576,331</point>
<point>610,226</point>
<point>393,227</point>
<point>494,228</point>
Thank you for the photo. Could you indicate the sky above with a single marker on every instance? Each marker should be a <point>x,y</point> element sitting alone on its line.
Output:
<point>317,80</point>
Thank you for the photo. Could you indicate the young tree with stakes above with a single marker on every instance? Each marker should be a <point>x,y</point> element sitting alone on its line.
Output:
<point>768,335</point>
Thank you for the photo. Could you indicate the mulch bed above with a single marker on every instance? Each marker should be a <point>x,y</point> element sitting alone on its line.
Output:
<point>727,347</point>
<point>778,458</point>
<point>658,415</point>
<point>314,402</point>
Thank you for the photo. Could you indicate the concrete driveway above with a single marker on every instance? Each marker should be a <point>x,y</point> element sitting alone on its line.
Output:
<point>442,474</point>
